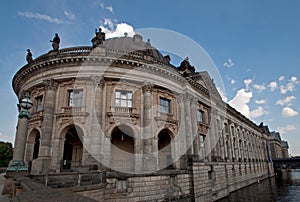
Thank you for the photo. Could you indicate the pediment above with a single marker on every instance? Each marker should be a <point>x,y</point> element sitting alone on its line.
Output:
<point>205,80</point>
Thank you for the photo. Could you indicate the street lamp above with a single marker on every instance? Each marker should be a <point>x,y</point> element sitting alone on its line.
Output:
<point>17,164</point>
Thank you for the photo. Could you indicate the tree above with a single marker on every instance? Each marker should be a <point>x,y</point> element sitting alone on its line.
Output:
<point>6,153</point>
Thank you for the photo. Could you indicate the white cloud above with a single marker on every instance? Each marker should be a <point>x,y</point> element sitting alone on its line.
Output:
<point>222,94</point>
<point>233,81</point>
<point>119,31</point>
<point>109,23</point>
<point>259,87</point>
<point>281,78</point>
<point>241,100</point>
<point>6,138</point>
<point>110,9</point>
<point>69,15</point>
<point>287,128</point>
<point>288,112</point>
<point>290,86</point>
<point>42,17</point>
<point>286,101</point>
<point>293,79</point>
<point>228,63</point>
<point>247,82</point>
<point>260,102</point>
<point>257,112</point>
<point>272,86</point>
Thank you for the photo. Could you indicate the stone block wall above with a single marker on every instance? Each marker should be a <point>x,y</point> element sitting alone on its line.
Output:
<point>213,181</point>
<point>143,188</point>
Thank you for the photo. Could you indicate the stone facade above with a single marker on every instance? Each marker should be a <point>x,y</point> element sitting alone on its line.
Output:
<point>279,148</point>
<point>121,106</point>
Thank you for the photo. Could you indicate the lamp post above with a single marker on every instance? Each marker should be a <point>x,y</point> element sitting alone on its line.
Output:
<point>17,163</point>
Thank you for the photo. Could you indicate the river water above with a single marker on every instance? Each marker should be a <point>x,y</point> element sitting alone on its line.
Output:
<point>284,189</point>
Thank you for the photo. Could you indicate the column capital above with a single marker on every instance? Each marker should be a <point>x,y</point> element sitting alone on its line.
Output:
<point>147,87</point>
<point>98,81</point>
<point>50,84</point>
<point>187,96</point>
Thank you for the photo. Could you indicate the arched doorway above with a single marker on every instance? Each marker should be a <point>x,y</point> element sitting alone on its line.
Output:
<point>73,149</point>
<point>36,146</point>
<point>122,148</point>
<point>164,149</point>
<point>32,147</point>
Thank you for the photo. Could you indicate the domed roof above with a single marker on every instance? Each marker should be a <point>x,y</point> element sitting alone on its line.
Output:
<point>134,44</point>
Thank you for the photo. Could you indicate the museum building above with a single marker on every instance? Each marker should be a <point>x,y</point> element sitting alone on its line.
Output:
<point>120,107</point>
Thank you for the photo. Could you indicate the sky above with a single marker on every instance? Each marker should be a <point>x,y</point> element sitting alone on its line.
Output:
<point>255,46</point>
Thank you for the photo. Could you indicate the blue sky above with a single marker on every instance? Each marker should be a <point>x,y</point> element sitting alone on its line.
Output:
<point>254,44</point>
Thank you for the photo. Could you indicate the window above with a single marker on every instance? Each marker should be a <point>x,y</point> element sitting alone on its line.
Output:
<point>200,116</point>
<point>121,185</point>
<point>75,98</point>
<point>123,99</point>
<point>164,105</point>
<point>39,103</point>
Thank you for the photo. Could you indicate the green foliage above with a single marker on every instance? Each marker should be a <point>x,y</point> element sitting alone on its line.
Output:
<point>6,153</point>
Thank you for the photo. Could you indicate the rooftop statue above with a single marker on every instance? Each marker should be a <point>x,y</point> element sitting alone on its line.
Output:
<point>29,56</point>
<point>98,38</point>
<point>55,42</point>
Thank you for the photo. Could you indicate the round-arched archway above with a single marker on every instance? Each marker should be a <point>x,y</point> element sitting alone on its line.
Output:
<point>122,148</point>
<point>73,148</point>
<point>33,145</point>
<point>164,148</point>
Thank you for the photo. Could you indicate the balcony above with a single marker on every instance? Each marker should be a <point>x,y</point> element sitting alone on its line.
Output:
<point>37,116</point>
<point>73,112</point>
<point>165,118</point>
<point>123,112</point>
<point>203,128</point>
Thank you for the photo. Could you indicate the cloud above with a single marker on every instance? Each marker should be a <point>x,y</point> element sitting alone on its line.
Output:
<point>287,101</point>
<point>222,94</point>
<point>288,112</point>
<point>109,23</point>
<point>40,16</point>
<point>281,78</point>
<point>290,86</point>
<point>272,86</point>
<point>240,102</point>
<point>287,128</point>
<point>260,88</point>
<point>228,63</point>
<point>247,82</point>
<point>69,15</point>
<point>121,28</point>
<point>233,81</point>
<point>260,102</point>
<point>6,138</point>
<point>110,9</point>
<point>257,112</point>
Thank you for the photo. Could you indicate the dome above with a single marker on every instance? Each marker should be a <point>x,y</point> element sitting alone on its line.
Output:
<point>134,44</point>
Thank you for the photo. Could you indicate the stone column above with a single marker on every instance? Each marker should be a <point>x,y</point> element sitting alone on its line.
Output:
<point>43,162</point>
<point>229,142</point>
<point>149,160</point>
<point>212,133</point>
<point>195,136</point>
<point>17,163</point>
<point>188,123</point>
<point>95,100</point>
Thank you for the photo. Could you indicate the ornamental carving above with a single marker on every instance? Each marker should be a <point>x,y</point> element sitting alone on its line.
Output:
<point>98,82</point>
<point>50,84</point>
<point>148,87</point>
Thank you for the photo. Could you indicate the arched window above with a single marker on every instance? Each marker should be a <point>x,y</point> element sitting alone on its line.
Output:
<point>164,149</point>
<point>72,149</point>
<point>122,148</point>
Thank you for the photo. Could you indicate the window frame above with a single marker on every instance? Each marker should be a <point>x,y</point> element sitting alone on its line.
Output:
<point>163,106</point>
<point>75,101</point>
<point>126,101</point>
<point>39,103</point>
